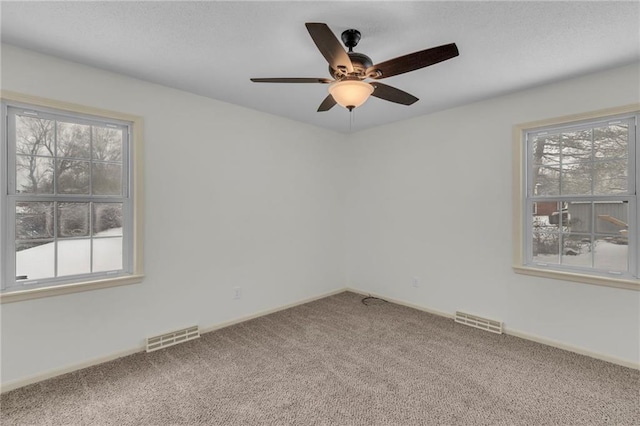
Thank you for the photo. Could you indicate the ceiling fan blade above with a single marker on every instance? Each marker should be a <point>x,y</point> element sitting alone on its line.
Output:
<point>292,80</point>
<point>392,94</point>
<point>329,46</point>
<point>327,104</point>
<point>413,61</point>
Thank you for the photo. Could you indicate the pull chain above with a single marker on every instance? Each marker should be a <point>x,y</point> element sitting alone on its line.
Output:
<point>351,119</point>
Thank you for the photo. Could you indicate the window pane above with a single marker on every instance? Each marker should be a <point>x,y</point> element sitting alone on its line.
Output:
<point>74,257</point>
<point>73,177</point>
<point>34,136</point>
<point>576,146</point>
<point>576,179</point>
<point>546,247</point>
<point>580,189</point>
<point>34,175</point>
<point>578,217</point>
<point>576,250</point>
<point>107,219</point>
<point>611,217</point>
<point>107,254</point>
<point>107,144</point>
<point>74,140</point>
<point>35,260</point>
<point>546,180</point>
<point>73,219</point>
<point>610,177</point>
<point>107,179</point>
<point>34,220</point>
<point>546,149</point>
<point>545,217</point>
<point>611,254</point>
<point>611,141</point>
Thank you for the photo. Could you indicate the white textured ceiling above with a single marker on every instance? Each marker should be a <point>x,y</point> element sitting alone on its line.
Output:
<point>213,48</point>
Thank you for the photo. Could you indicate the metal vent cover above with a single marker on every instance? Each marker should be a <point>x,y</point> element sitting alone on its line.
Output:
<point>479,322</point>
<point>172,338</point>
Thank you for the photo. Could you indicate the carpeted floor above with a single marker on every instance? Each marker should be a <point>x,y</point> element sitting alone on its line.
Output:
<point>338,362</point>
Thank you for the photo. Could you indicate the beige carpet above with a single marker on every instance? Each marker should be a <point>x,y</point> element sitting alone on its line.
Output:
<point>338,362</point>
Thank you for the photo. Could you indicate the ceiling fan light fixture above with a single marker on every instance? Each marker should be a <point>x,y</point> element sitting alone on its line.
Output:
<point>350,93</point>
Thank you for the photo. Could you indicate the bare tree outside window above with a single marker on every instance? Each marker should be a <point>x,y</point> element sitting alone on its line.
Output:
<point>578,180</point>
<point>60,158</point>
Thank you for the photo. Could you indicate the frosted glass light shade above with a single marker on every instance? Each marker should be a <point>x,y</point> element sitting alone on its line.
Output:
<point>350,93</point>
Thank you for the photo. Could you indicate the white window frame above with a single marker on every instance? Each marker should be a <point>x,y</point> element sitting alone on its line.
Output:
<point>522,204</point>
<point>132,272</point>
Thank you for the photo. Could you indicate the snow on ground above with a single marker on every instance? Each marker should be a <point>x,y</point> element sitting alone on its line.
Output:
<point>608,256</point>
<point>74,256</point>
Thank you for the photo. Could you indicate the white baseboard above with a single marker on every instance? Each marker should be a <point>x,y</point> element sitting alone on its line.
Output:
<point>15,384</point>
<point>571,348</point>
<point>517,333</point>
<point>402,302</point>
<point>269,311</point>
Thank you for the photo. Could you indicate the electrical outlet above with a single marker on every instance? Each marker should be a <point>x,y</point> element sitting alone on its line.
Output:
<point>415,282</point>
<point>237,293</point>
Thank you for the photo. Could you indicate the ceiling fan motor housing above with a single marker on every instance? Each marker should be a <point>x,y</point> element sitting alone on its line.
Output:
<point>360,62</point>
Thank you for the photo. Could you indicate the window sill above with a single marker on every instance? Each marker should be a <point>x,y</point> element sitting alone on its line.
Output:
<point>36,293</point>
<point>628,284</point>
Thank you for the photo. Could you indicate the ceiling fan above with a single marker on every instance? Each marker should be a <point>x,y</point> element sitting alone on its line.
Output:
<point>350,69</point>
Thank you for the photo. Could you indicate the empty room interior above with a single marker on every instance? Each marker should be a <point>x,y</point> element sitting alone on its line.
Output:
<point>349,213</point>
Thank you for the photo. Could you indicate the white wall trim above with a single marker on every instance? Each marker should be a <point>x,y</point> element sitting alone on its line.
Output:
<point>519,195</point>
<point>35,293</point>
<point>517,333</point>
<point>15,384</point>
<point>6,387</point>
<point>269,311</point>
<point>571,348</point>
<point>403,303</point>
<point>137,198</point>
<point>627,284</point>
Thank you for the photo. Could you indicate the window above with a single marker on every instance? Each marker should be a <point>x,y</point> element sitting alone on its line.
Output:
<point>577,215</point>
<point>69,199</point>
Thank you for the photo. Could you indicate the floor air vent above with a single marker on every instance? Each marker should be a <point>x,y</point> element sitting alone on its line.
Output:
<point>169,339</point>
<point>479,322</point>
